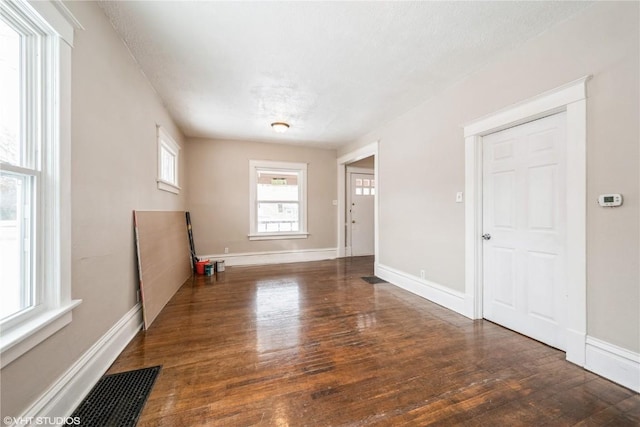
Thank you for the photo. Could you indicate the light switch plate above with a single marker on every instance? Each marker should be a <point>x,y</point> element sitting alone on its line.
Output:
<point>459,197</point>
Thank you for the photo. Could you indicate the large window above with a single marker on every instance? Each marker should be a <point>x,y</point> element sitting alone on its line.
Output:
<point>34,230</point>
<point>17,181</point>
<point>278,200</point>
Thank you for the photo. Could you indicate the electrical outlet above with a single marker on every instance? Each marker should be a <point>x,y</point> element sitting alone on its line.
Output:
<point>226,250</point>
<point>422,274</point>
<point>459,197</point>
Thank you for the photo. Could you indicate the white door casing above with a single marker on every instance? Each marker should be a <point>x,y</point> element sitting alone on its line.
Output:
<point>360,213</point>
<point>571,98</point>
<point>524,225</point>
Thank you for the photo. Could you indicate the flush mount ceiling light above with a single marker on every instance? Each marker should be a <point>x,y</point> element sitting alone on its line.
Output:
<point>280,127</point>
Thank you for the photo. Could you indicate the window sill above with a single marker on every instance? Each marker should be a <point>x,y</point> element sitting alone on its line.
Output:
<point>17,341</point>
<point>167,186</point>
<point>278,236</point>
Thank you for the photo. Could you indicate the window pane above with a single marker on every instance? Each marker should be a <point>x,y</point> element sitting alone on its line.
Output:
<point>274,217</point>
<point>16,292</point>
<point>168,160</point>
<point>277,186</point>
<point>9,95</point>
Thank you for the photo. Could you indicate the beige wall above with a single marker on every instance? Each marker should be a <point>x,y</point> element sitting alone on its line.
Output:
<point>114,116</point>
<point>422,161</point>
<point>218,179</point>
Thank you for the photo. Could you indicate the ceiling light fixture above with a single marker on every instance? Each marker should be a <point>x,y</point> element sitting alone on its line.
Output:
<point>280,127</point>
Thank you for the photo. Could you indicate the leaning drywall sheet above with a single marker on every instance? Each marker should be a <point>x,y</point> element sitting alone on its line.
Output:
<point>163,258</point>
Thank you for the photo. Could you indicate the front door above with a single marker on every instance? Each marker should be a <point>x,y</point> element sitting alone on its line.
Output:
<point>524,222</point>
<point>360,207</point>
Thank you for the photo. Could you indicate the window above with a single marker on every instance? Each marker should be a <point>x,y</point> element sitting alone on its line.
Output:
<point>35,299</point>
<point>278,200</point>
<point>16,183</point>
<point>168,156</point>
<point>365,187</point>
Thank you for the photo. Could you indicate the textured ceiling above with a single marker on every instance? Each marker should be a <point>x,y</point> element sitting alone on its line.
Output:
<point>333,70</point>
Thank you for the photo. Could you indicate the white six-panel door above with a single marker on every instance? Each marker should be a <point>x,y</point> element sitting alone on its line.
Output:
<point>524,223</point>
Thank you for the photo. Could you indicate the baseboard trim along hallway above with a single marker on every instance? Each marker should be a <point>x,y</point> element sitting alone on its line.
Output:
<point>612,362</point>
<point>273,257</point>
<point>434,292</point>
<point>62,397</point>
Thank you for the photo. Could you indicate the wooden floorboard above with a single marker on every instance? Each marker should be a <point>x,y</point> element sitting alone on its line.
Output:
<point>312,344</point>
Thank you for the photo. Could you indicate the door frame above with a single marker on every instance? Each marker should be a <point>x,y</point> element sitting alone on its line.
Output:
<point>571,98</point>
<point>349,233</point>
<point>342,162</point>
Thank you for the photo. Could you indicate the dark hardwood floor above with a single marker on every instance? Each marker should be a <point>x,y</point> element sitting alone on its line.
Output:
<point>312,344</point>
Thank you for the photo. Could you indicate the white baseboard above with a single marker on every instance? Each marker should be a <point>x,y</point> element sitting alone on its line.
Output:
<point>607,360</point>
<point>614,363</point>
<point>441,295</point>
<point>273,257</point>
<point>62,398</point>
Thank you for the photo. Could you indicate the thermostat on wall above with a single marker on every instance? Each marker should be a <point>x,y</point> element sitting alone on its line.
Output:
<point>610,200</point>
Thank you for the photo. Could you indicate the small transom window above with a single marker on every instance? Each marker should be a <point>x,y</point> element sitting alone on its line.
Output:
<point>168,157</point>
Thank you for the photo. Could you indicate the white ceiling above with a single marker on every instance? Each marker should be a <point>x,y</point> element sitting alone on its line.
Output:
<point>332,70</point>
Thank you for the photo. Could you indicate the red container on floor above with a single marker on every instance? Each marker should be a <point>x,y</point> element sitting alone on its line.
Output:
<point>200,266</point>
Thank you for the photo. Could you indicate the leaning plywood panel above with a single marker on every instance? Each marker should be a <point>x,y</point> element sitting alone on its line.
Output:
<point>163,258</point>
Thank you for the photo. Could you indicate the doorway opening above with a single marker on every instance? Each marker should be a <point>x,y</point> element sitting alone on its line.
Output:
<point>360,192</point>
<point>361,164</point>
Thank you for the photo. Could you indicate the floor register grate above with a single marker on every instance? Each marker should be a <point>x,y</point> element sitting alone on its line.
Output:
<point>116,400</point>
<point>372,280</point>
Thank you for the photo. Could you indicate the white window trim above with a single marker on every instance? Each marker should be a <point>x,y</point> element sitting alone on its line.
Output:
<point>302,186</point>
<point>168,143</point>
<point>54,253</point>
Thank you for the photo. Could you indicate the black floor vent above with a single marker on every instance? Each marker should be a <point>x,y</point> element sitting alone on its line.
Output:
<point>116,400</point>
<point>372,280</point>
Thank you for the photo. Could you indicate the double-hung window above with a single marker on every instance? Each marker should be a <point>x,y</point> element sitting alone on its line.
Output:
<point>18,178</point>
<point>278,196</point>
<point>35,297</point>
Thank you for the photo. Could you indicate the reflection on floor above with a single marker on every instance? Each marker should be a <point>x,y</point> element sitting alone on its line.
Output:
<point>313,344</point>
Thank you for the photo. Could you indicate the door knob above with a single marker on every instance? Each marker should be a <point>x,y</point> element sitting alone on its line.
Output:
<point>353,221</point>
<point>486,236</point>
